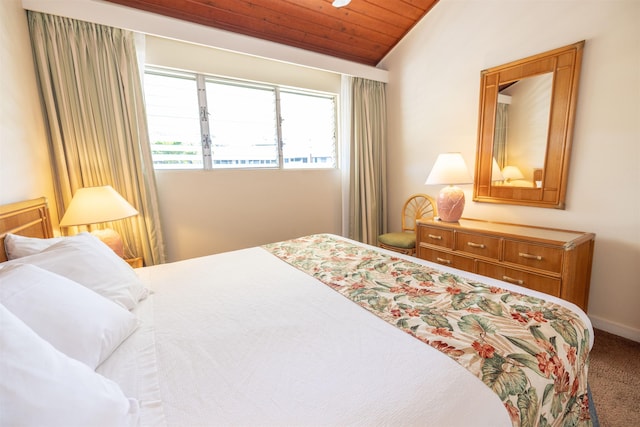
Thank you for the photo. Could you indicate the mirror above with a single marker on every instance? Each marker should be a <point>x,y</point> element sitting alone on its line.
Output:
<point>520,134</point>
<point>527,110</point>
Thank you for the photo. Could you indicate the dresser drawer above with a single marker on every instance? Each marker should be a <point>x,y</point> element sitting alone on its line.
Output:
<point>478,245</point>
<point>522,278</point>
<point>446,258</point>
<point>435,236</point>
<point>553,261</point>
<point>534,255</point>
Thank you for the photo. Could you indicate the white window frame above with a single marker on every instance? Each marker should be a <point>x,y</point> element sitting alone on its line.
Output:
<point>208,154</point>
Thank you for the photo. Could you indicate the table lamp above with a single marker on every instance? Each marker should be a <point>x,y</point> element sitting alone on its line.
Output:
<point>511,173</point>
<point>93,205</point>
<point>449,169</point>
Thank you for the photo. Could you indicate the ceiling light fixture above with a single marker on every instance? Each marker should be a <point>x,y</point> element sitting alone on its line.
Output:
<point>340,3</point>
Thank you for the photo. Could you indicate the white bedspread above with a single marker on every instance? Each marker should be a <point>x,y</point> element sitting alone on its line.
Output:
<point>244,339</point>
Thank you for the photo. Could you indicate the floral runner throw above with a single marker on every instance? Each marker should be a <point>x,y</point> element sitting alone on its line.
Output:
<point>532,353</point>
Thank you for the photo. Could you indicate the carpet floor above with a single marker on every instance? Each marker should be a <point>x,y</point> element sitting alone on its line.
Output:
<point>614,379</point>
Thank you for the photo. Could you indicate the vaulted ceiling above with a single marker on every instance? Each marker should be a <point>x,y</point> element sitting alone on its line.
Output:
<point>363,31</point>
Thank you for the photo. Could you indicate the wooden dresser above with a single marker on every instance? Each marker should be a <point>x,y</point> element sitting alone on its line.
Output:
<point>557,262</point>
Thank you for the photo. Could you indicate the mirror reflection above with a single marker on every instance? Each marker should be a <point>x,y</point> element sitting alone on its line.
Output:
<point>520,134</point>
<point>524,150</point>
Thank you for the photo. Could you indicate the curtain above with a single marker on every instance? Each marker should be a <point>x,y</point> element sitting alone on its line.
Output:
<point>92,95</point>
<point>367,194</point>
<point>344,158</point>
<point>500,135</point>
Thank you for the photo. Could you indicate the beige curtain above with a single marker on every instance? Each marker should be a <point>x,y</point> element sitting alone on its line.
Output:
<point>500,135</point>
<point>92,94</point>
<point>367,163</point>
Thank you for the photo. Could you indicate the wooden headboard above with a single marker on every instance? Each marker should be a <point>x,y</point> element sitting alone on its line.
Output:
<point>30,218</point>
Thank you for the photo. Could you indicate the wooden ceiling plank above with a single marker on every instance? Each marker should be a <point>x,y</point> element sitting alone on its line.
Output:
<point>351,16</point>
<point>375,13</point>
<point>411,10</point>
<point>325,29</point>
<point>298,35</point>
<point>284,29</point>
<point>318,25</point>
<point>363,32</point>
<point>242,19</point>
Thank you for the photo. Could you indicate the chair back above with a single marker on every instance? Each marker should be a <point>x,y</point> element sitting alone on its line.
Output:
<point>416,207</point>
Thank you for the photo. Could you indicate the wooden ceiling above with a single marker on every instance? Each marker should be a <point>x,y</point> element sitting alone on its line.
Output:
<point>364,31</point>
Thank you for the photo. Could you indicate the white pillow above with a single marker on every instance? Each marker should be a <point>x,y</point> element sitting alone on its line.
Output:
<point>84,259</point>
<point>17,246</point>
<point>76,321</point>
<point>42,387</point>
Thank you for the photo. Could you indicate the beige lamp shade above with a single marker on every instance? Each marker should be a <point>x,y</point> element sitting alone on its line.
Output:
<point>93,205</point>
<point>512,172</point>
<point>450,169</point>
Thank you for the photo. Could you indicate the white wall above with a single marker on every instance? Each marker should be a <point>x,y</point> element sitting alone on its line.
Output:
<point>188,56</point>
<point>213,211</point>
<point>433,96</point>
<point>206,212</point>
<point>24,159</point>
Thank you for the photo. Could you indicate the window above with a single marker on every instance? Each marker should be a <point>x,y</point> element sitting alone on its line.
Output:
<point>197,121</point>
<point>308,130</point>
<point>173,120</point>
<point>242,125</point>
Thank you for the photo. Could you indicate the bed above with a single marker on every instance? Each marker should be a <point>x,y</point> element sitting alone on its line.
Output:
<point>318,330</point>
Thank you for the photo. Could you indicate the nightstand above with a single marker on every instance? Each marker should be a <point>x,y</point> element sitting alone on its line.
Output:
<point>135,262</point>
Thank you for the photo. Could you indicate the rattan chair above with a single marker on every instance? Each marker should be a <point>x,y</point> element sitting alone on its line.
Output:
<point>416,207</point>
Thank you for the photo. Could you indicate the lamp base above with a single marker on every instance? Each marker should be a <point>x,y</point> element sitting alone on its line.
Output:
<point>450,204</point>
<point>112,239</point>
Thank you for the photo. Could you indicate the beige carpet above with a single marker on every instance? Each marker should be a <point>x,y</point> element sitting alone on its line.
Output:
<point>614,378</point>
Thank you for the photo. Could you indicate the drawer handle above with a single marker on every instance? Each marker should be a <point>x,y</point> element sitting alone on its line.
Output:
<point>512,280</point>
<point>529,256</point>
<point>433,236</point>
<point>476,245</point>
<point>443,261</point>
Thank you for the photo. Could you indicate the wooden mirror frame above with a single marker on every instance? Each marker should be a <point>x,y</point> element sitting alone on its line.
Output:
<point>565,65</point>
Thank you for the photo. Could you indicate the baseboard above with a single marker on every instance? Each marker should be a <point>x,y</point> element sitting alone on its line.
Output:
<point>615,328</point>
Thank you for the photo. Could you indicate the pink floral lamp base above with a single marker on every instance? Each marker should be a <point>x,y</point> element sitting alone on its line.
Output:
<point>450,203</point>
